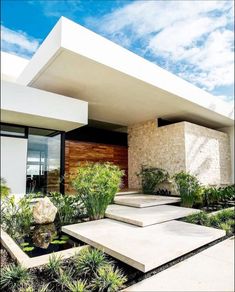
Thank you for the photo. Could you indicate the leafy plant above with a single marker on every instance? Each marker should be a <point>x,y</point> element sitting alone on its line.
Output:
<point>227,193</point>
<point>188,187</point>
<point>212,195</point>
<point>108,279</point>
<point>151,177</point>
<point>16,217</point>
<point>198,218</point>
<point>4,189</point>
<point>54,266</point>
<point>96,185</point>
<point>77,286</point>
<point>65,277</point>
<point>224,219</point>
<point>14,277</point>
<point>69,208</point>
<point>28,248</point>
<point>89,260</point>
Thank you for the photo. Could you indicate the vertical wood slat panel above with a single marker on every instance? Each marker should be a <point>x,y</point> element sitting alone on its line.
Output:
<point>77,152</point>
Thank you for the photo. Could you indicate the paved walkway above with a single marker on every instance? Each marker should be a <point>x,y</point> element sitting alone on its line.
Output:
<point>211,270</point>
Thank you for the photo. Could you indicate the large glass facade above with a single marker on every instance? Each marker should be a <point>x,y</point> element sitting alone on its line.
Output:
<point>43,161</point>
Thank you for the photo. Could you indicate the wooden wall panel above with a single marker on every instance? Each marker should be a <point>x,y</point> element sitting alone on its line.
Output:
<point>77,152</point>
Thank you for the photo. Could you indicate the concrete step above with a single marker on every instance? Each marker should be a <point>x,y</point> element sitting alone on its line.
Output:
<point>143,248</point>
<point>127,192</point>
<point>147,216</point>
<point>142,201</point>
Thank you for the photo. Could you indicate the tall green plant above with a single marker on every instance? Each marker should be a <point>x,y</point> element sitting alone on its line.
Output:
<point>16,216</point>
<point>151,177</point>
<point>69,208</point>
<point>188,187</point>
<point>96,185</point>
<point>4,189</point>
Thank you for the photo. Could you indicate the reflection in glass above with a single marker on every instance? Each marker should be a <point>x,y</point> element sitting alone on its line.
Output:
<point>43,161</point>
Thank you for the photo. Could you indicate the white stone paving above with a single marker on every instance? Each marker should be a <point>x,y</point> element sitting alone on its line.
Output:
<point>147,216</point>
<point>141,200</point>
<point>210,270</point>
<point>143,248</point>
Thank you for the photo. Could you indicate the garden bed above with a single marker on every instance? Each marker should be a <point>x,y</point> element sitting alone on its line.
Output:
<point>25,260</point>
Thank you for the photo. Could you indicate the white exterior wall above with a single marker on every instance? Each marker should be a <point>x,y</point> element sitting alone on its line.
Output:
<point>230,132</point>
<point>13,163</point>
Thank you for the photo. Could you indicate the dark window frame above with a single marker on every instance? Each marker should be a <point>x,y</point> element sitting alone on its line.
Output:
<point>62,146</point>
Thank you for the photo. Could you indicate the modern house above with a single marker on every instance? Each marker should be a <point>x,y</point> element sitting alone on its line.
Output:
<point>82,97</point>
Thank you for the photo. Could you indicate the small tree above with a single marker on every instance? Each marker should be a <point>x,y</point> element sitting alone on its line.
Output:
<point>96,185</point>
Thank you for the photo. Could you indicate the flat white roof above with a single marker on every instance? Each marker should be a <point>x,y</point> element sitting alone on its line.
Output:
<point>120,87</point>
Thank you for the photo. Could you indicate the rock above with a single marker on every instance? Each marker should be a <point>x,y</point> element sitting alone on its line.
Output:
<point>44,211</point>
<point>43,235</point>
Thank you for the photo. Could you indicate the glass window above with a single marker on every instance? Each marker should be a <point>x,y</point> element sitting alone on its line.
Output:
<point>14,131</point>
<point>43,161</point>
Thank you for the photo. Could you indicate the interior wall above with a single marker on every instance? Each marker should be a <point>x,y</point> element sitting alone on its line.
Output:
<point>13,163</point>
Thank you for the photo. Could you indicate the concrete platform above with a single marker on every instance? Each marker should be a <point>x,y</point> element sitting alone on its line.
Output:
<point>141,200</point>
<point>210,270</point>
<point>143,248</point>
<point>127,192</point>
<point>147,216</point>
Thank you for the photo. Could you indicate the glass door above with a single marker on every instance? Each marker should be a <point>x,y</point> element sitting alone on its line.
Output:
<point>43,161</point>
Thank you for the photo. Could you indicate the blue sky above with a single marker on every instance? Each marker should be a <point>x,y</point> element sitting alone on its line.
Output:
<point>192,39</point>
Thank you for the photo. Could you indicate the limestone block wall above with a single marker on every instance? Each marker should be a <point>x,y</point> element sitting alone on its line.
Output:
<point>208,154</point>
<point>162,147</point>
<point>181,146</point>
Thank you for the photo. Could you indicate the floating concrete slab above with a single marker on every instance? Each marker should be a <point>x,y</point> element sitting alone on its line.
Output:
<point>141,200</point>
<point>147,216</point>
<point>127,192</point>
<point>210,270</point>
<point>143,248</point>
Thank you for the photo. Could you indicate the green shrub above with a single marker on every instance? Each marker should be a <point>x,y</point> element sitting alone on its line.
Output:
<point>224,219</point>
<point>151,177</point>
<point>96,185</point>
<point>16,217</point>
<point>108,279</point>
<point>4,190</point>
<point>212,195</point>
<point>70,209</point>
<point>77,286</point>
<point>89,260</point>
<point>14,277</point>
<point>227,193</point>
<point>188,187</point>
<point>198,218</point>
<point>55,266</point>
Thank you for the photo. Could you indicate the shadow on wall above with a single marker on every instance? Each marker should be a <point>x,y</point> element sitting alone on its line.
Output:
<point>208,158</point>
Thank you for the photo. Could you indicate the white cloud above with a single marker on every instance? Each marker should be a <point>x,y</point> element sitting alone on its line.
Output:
<point>193,39</point>
<point>18,42</point>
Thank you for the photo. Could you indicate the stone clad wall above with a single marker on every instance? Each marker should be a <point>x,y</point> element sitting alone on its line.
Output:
<point>181,146</point>
<point>208,154</point>
<point>163,147</point>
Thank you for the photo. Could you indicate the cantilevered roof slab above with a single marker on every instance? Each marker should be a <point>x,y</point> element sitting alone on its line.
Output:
<point>37,108</point>
<point>120,87</point>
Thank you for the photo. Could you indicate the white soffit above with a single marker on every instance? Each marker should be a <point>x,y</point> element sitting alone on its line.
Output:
<point>33,107</point>
<point>119,86</point>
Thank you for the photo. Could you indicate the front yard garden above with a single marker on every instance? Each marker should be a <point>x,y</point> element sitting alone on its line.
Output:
<point>35,224</point>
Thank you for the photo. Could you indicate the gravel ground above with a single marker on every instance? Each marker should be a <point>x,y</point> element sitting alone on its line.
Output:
<point>5,259</point>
